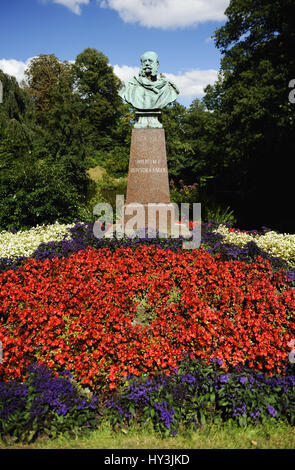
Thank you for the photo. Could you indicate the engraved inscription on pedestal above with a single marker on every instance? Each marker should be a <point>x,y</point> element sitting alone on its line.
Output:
<point>148,173</point>
<point>149,166</point>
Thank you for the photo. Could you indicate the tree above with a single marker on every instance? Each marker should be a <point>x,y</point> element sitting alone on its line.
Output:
<point>178,146</point>
<point>43,76</point>
<point>36,191</point>
<point>42,174</point>
<point>100,106</point>
<point>16,111</point>
<point>254,119</point>
<point>16,130</point>
<point>50,84</point>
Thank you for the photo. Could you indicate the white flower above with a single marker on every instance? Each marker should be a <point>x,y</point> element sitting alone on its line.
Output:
<point>276,244</point>
<point>25,242</point>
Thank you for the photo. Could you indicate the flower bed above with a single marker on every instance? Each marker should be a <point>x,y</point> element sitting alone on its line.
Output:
<point>45,405</point>
<point>24,243</point>
<point>61,240</point>
<point>104,314</point>
<point>276,244</point>
<point>198,393</point>
<point>195,394</point>
<point>111,309</point>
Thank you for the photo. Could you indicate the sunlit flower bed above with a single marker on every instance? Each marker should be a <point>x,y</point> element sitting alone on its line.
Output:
<point>104,314</point>
<point>70,237</point>
<point>198,334</point>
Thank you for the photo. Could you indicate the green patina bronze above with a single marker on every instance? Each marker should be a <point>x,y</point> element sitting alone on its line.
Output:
<point>148,93</point>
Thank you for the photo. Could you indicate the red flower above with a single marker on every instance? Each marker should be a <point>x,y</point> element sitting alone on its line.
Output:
<point>104,314</point>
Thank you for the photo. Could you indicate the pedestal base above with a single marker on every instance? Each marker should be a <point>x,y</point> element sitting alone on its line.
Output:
<point>153,216</point>
<point>148,120</point>
<point>176,230</point>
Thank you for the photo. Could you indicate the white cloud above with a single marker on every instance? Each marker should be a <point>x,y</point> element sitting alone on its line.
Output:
<point>73,5</point>
<point>16,68</point>
<point>125,72</point>
<point>191,84</point>
<point>168,14</point>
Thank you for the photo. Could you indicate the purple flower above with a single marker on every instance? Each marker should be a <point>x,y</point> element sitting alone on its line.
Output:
<point>255,414</point>
<point>291,275</point>
<point>188,378</point>
<point>224,378</point>
<point>271,411</point>
<point>41,394</point>
<point>217,360</point>
<point>167,415</point>
<point>239,410</point>
<point>62,410</point>
<point>243,380</point>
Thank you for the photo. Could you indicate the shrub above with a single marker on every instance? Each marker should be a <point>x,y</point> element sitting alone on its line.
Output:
<point>182,193</point>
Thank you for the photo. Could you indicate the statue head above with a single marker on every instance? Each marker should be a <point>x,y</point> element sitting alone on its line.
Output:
<point>149,64</point>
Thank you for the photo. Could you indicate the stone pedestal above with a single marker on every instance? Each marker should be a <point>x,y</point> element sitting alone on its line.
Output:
<point>148,173</point>
<point>148,204</point>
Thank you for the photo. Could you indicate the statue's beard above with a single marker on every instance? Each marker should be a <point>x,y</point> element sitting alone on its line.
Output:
<point>149,71</point>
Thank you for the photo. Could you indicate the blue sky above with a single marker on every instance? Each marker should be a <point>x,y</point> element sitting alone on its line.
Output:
<point>178,30</point>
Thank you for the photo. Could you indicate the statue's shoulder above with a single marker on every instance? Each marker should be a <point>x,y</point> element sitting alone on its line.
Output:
<point>133,80</point>
<point>169,82</point>
<point>126,86</point>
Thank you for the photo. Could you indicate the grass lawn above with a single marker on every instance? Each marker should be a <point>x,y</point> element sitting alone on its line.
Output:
<point>267,436</point>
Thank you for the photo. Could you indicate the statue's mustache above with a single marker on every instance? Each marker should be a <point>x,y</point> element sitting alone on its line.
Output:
<point>149,68</point>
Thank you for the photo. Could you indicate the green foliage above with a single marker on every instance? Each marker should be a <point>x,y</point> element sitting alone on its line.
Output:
<point>219,214</point>
<point>254,120</point>
<point>17,107</point>
<point>43,80</point>
<point>105,191</point>
<point>99,103</point>
<point>16,117</point>
<point>109,187</point>
<point>65,119</point>
<point>191,152</point>
<point>34,191</point>
<point>182,193</point>
<point>116,161</point>
<point>37,184</point>
<point>178,147</point>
